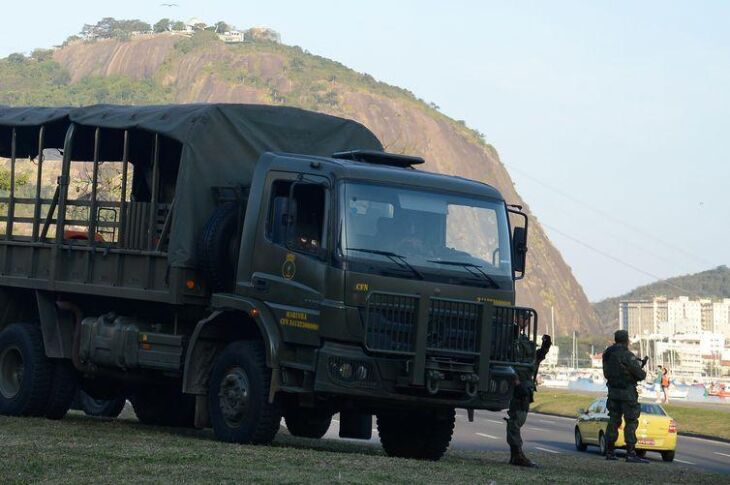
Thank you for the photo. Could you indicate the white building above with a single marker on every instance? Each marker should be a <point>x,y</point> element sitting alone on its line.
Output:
<point>721,317</point>
<point>683,316</point>
<point>689,354</point>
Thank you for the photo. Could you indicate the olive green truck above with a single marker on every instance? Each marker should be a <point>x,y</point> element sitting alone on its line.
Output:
<point>226,266</point>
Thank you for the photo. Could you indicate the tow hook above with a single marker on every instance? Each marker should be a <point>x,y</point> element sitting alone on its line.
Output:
<point>432,380</point>
<point>471,381</point>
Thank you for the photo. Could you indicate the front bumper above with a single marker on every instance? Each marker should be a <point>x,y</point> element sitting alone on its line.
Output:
<point>346,371</point>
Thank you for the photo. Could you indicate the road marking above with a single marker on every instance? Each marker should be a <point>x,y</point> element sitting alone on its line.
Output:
<point>536,429</point>
<point>721,454</point>
<point>554,417</point>
<point>335,420</point>
<point>546,421</point>
<point>705,440</point>
<point>495,421</point>
<point>283,426</point>
<point>546,449</point>
<point>684,462</point>
<point>483,435</point>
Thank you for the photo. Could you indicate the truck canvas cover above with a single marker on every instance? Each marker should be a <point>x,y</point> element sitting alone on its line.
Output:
<point>220,144</point>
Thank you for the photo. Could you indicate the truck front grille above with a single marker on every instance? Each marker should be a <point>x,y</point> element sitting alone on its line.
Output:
<point>391,322</point>
<point>453,326</point>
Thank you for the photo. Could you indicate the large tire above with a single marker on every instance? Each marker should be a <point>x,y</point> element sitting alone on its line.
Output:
<point>218,246</point>
<point>164,406</point>
<point>308,423</point>
<point>64,386</point>
<point>238,396</point>
<point>103,408</point>
<point>25,371</point>
<point>424,435</point>
<point>668,455</point>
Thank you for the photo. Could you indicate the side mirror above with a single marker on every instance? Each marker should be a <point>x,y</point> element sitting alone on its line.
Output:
<point>582,411</point>
<point>519,248</point>
<point>519,242</point>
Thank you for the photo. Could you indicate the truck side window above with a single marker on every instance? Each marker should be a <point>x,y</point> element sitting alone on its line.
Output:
<point>297,223</point>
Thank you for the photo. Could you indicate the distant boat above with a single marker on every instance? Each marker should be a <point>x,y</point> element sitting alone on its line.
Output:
<point>718,391</point>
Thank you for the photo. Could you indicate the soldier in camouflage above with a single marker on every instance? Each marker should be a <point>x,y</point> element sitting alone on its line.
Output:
<point>519,406</point>
<point>622,370</point>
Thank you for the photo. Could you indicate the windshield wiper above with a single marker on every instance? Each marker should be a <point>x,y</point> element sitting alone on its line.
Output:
<point>396,258</point>
<point>469,267</point>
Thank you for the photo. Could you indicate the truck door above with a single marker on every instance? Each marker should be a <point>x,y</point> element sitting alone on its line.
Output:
<point>290,259</point>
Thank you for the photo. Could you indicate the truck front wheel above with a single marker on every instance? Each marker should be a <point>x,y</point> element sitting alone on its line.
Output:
<point>308,423</point>
<point>25,371</point>
<point>238,395</point>
<point>423,434</point>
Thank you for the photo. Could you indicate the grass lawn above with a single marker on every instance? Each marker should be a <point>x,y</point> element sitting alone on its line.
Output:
<point>690,419</point>
<point>79,449</point>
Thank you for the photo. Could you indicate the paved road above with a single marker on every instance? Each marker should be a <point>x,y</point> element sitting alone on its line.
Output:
<point>554,435</point>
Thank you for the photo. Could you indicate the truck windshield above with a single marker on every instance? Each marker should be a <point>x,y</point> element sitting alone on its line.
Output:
<point>425,234</point>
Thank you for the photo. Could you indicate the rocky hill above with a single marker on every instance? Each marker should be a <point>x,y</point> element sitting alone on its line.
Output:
<point>713,283</point>
<point>174,68</point>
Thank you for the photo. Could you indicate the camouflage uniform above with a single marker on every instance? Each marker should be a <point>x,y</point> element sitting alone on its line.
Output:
<point>622,370</point>
<point>519,405</point>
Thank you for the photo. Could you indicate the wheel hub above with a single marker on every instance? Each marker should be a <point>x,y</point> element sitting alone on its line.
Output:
<point>234,396</point>
<point>11,372</point>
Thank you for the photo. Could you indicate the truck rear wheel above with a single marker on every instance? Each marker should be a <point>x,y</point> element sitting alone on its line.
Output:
<point>105,408</point>
<point>238,396</point>
<point>424,435</point>
<point>164,406</point>
<point>308,423</point>
<point>25,371</point>
<point>64,385</point>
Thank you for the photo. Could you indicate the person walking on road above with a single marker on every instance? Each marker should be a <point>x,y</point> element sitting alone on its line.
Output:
<point>665,384</point>
<point>522,396</point>
<point>658,384</point>
<point>623,371</point>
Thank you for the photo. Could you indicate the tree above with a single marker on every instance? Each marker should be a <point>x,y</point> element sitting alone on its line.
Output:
<point>221,27</point>
<point>16,58</point>
<point>42,55</point>
<point>178,25</point>
<point>162,25</point>
<point>199,26</point>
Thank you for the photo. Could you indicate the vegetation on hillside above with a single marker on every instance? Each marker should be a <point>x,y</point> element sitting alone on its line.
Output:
<point>713,283</point>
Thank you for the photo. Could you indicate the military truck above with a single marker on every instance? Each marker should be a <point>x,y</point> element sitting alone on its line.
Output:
<point>226,266</point>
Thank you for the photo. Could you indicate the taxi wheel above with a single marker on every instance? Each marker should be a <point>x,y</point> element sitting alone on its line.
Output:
<point>579,445</point>
<point>641,453</point>
<point>668,455</point>
<point>602,443</point>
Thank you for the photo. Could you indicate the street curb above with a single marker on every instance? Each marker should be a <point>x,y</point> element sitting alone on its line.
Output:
<point>691,435</point>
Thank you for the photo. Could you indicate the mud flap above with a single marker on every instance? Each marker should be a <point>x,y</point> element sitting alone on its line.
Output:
<point>356,425</point>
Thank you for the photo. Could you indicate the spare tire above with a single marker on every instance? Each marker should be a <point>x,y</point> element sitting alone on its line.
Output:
<point>218,247</point>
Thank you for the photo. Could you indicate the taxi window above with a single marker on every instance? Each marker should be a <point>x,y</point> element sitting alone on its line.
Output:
<point>594,407</point>
<point>653,409</point>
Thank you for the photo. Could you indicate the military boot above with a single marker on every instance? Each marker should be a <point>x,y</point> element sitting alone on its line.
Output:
<point>610,452</point>
<point>632,457</point>
<point>518,458</point>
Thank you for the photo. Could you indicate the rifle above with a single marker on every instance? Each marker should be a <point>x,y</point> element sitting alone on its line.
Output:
<point>541,353</point>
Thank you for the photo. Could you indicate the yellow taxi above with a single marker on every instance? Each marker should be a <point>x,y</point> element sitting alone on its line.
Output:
<point>657,430</point>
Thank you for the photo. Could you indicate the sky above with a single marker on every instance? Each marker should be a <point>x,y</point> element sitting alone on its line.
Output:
<point>612,117</point>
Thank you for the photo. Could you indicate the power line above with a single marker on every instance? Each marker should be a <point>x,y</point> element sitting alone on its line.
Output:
<point>618,260</point>
<point>610,216</point>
